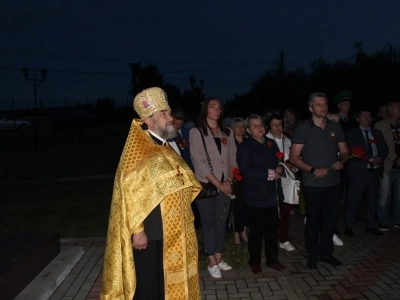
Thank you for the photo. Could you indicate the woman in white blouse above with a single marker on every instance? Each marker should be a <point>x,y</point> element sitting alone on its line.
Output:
<point>275,127</point>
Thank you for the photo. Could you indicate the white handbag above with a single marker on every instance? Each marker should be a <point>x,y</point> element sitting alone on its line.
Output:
<point>290,186</point>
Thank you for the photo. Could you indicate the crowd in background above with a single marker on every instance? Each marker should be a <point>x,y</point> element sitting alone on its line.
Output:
<point>249,173</point>
<point>317,151</point>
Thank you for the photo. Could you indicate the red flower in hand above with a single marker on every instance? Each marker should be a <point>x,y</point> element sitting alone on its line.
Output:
<point>280,155</point>
<point>357,152</point>
<point>237,175</point>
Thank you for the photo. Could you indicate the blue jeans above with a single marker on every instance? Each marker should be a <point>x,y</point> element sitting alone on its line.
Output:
<point>388,183</point>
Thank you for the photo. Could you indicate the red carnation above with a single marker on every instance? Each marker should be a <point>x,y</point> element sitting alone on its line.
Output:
<point>237,175</point>
<point>357,152</point>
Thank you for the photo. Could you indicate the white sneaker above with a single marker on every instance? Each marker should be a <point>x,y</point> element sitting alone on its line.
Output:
<point>287,246</point>
<point>214,271</point>
<point>224,266</point>
<point>337,241</point>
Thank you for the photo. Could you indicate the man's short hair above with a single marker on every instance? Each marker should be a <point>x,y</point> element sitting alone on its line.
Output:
<point>313,96</point>
<point>361,110</point>
<point>178,114</point>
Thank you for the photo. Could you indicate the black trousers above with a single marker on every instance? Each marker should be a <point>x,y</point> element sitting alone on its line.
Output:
<point>363,183</point>
<point>240,218</point>
<point>264,224</point>
<point>321,210</point>
<point>149,272</point>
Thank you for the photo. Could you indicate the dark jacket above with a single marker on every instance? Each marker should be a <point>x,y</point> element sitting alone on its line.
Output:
<point>351,123</point>
<point>355,137</point>
<point>185,153</point>
<point>254,159</point>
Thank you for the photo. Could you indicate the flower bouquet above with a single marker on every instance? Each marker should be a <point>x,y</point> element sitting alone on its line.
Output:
<point>237,177</point>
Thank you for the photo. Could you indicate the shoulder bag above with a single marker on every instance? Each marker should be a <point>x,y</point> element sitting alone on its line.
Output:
<point>290,186</point>
<point>208,189</point>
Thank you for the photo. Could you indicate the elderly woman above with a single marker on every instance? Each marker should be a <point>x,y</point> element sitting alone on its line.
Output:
<point>239,216</point>
<point>262,193</point>
<point>275,125</point>
<point>221,149</point>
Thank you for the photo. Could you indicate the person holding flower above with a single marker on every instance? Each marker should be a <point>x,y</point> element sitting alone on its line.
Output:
<point>262,193</point>
<point>240,217</point>
<point>275,125</point>
<point>314,150</point>
<point>363,174</point>
<point>221,149</point>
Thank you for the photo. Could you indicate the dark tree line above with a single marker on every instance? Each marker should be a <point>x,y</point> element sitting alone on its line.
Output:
<point>373,78</point>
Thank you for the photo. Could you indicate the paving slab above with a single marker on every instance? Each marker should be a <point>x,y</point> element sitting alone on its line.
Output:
<point>371,270</point>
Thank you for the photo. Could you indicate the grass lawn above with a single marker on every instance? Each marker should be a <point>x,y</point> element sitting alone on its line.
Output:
<point>74,208</point>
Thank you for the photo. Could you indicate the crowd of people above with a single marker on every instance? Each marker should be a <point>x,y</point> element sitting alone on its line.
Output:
<point>342,160</point>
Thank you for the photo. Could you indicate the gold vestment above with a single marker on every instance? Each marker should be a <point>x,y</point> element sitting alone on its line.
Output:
<point>149,175</point>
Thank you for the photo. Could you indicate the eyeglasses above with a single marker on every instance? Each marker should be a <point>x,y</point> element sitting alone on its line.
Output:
<point>257,126</point>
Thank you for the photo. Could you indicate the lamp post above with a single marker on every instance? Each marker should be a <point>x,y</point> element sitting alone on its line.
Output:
<point>25,71</point>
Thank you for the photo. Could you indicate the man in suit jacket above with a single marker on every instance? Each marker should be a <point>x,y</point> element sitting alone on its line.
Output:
<point>343,102</point>
<point>363,174</point>
<point>182,139</point>
<point>390,179</point>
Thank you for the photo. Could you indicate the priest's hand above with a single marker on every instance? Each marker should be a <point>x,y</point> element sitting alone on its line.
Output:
<point>139,240</point>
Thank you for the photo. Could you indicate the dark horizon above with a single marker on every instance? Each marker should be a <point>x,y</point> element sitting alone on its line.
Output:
<point>227,45</point>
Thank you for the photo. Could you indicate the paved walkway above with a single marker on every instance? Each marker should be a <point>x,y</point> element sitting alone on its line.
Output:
<point>371,270</point>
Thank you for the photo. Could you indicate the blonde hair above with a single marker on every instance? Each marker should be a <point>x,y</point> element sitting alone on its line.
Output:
<point>237,121</point>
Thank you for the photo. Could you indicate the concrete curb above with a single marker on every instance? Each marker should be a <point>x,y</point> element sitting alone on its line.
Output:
<point>47,281</point>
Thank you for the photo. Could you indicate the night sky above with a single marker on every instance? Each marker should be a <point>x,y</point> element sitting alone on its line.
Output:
<point>87,45</point>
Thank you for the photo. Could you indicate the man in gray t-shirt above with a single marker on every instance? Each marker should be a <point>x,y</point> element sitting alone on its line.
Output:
<point>316,146</point>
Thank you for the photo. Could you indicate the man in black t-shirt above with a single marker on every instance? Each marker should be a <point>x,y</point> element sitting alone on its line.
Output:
<point>314,150</point>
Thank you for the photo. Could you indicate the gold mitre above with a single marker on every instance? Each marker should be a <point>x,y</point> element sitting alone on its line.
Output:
<point>150,101</point>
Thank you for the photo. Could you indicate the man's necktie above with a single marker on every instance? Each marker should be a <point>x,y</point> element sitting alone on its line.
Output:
<point>178,141</point>
<point>369,149</point>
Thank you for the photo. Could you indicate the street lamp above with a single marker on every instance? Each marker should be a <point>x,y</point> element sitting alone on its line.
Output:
<point>25,71</point>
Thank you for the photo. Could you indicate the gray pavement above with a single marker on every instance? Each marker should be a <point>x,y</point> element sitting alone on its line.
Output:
<point>371,270</point>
